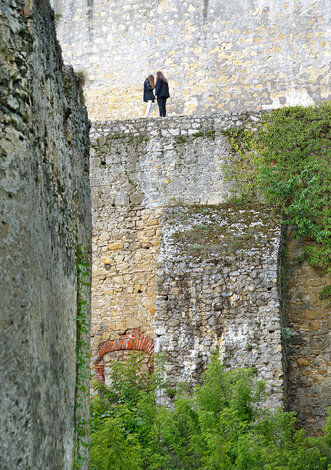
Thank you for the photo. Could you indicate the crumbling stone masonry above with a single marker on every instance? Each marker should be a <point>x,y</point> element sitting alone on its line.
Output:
<point>217,289</point>
<point>44,211</point>
<point>177,269</point>
<point>161,180</point>
<point>138,167</point>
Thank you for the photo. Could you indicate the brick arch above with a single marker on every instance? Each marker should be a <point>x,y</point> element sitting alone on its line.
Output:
<point>132,340</point>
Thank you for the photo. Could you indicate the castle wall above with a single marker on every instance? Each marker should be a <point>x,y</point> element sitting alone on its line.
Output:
<point>137,168</point>
<point>45,208</point>
<point>217,289</point>
<point>219,56</point>
<point>145,176</point>
<point>176,270</point>
<point>308,321</point>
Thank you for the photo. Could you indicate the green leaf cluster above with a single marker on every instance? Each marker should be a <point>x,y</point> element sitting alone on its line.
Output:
<point>288,161</point>
<point>222,424</point>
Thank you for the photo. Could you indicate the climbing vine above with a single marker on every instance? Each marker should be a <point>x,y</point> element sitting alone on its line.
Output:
<point>82,356</point>
<point>287,161</point>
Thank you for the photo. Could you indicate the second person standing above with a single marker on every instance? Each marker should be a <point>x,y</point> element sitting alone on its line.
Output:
<point>161,92</point>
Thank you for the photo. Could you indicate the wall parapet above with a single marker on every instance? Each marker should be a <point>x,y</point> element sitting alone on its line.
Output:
<point>163,160</point>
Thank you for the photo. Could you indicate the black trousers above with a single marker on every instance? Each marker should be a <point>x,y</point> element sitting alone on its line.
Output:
<point>162,105</point>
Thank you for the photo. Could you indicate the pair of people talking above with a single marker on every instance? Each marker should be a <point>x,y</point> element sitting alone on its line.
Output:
<point>161,88</point>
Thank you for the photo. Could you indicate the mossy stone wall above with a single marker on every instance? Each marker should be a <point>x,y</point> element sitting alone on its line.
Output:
<point>45,211</point>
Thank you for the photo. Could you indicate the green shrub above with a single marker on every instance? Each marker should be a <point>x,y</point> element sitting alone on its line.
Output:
<point>288,161</point>
<point>222,425</point>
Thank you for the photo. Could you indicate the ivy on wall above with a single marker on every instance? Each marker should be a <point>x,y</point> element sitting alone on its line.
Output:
<point>287,160</point>
<point>82,357</point>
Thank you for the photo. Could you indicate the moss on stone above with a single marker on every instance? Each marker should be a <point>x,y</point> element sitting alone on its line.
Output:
<point>207,230</point>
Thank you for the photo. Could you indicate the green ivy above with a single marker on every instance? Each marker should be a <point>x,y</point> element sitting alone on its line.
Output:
<point>287,160</point>
<point>82,356</point>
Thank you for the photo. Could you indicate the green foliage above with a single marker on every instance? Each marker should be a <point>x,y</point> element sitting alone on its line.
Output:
<point>198,134</point>
<point>117,135</point>
<point>288,161</point>
<point>326,293</point>
<point>82,356</point>
<point>222,424</point>
<point>180,139</point>
<point>286,333</point>
<point>211,133</point>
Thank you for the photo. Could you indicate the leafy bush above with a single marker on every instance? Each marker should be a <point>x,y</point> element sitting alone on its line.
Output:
<point>288,161</point>
<point>222,424</point>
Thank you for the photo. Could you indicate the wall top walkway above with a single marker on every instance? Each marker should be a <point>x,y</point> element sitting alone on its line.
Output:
<point>164,161</point>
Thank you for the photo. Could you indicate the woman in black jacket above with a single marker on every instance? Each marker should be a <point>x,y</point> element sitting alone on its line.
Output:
<point>149,97</point>
<point>161,92</point>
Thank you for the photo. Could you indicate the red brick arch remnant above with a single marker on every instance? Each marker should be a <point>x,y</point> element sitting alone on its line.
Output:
<point>134,340</point>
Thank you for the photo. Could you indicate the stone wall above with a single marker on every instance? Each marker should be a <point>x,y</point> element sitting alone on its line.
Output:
<point>177,270</point>
<point>219,56</point>
<point>143,175</point>
<point>217,289</point>
<point>138,167</point>
<point>45,208</point>
<point>308,323</point>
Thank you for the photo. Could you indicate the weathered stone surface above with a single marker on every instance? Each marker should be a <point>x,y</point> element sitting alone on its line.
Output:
<point>227,301</point>
<point>309,345</point>
<point>219,55</point>
<point>45,204</point>
<point>142,169</point>
<point>217,289</point>
<point>138,167</point>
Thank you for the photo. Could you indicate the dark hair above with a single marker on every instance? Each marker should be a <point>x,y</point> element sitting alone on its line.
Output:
<point>160,75</point>
<point>150,78</point>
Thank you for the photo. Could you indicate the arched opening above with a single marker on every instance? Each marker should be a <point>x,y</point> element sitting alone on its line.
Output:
<point>132,340</point>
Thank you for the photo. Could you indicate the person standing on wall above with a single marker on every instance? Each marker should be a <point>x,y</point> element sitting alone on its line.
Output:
<point>161,92</point>
<point>149,97</point>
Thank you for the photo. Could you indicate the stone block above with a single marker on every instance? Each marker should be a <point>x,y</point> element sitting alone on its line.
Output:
<point>302,361</point>
<point>117,245</point>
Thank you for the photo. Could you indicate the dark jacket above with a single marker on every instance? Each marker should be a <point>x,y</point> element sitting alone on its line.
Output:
<point>162,89</point>
<point>148,91</point>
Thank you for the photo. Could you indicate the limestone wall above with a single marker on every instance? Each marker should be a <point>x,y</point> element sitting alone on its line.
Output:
<point>143,175</point>
<point>217,289</point>
<point>138,167</point>
<point>308,323</point>
<point>176,270</point>
<point>45,208</point>
<point>219,56</point>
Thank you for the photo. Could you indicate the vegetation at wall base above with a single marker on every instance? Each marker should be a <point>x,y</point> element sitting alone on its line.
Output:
<point>288,162</point>
<point>221,425</point>
<point>82,357</point>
